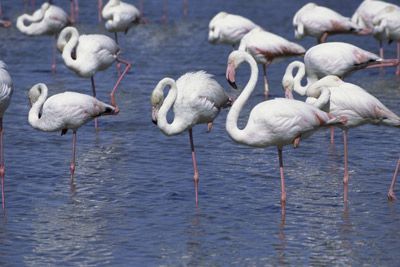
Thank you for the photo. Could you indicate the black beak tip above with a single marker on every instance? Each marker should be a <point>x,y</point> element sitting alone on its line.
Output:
<point>154,121</point>
<point>233,84</point>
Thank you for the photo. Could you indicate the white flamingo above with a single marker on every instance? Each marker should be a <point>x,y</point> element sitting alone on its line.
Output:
<point>319,22</point>
<point>365,14</point>
<point>88,54</point>
<point>354,106</point>
<point>387,26</point>
<point>267,48</point>
<point>6,90</point>
<point>225,28</point>
<point>48,20</point>
<point>195,98</point>
<point>61,112</point>
<point>276,122</point>
<point>120,16</point>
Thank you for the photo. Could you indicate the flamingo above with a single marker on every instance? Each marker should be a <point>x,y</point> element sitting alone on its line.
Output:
<point>319,22</point>
<point>5,98</point>
<point>387,26</point>
<point>276,122</point>
<point>365,14</point>
<point>88,54</point>
<point>120,16</point>
<point>225,28</point>
<point>354,106</point>
<point>267,48</point>
<point>61,112</point>
<point>195,98</point>
<point>334,58</point>
<point>48,20</point>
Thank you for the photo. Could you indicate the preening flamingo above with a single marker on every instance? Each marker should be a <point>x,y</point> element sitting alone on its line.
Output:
<point>195,98</point>
<point>319,22</point>
<point>276,122</point>
<point>61,112</point>
<point>267,48</point>
<point>365,14</point>
<point>88,54</point>
<point>387,27</point>
<point>354,106</point>
<point>225,28</point>
<point>120,16</point>
<point>6,90</point>
<point>48,20</point>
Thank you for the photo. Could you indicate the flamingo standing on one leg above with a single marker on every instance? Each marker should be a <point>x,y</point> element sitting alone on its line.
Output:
<point>353,105</point>
<point>387,26</point>
<point>88,54</point>
<point>48,20</point>
<point>225,28</point>
<point>195,98</point>
<point>5,98</point>
<point>276,122</point>
<point>267,48</point>
<point>365,14</point>
<point>61,112</point>
<point>319,22</point>
<point>334,58</point>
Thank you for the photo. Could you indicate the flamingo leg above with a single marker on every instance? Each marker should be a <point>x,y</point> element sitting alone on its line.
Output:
<point>1,9</point>
<point>283,191</point>
<point>76,9</point>
<point>2,167</point>
<point>391,195</point>
<point>346,170</point>
<point>398,58</point>
<point>332,130</point>
<point>72,16</point>
<point>381,49</point>
<point>99,7</point>
<point>196,171</point>
<point>128,65</point>
<point>53,60</point>
<point>164,17</point>
<point>209,126</point>
<point>118,63</point>
<point>266,87</point>
<point>323,38</point>
<point>72,166</point>
<point>185,7</point>
<point>94,95</point>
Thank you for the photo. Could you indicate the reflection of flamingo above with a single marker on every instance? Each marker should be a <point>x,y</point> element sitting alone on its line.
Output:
<point>319,22</point>
<point>3,22</point>
<point>267,47</point>
<point>391,195</point>
<point>276,122</point>
<point>387,26</point>
<point>195,98</point>
<point>353,105</point>
<point>88,54</point>
<point>5,97</point>
<point>120,16</point>
<point>65,111</point>
<point>229,29</point>
<point>365,14</point>
<point>48,20</point>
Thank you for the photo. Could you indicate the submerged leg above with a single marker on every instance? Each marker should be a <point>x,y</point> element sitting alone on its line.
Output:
<point>283,191</point>
<point>209,126</point>
<point>53,60</point>
<point>196,171</point>
<point>266,88</point>
<point>128,65</point>
<point>185,8</point>
<point>94,95</point>
<point>2,167</point>
<point>72,166</point>
<point>346,171</point>
<point>391,195</point>
<point>332,130</point>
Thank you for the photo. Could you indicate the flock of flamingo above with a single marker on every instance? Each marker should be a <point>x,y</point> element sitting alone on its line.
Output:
<point>197,98</point>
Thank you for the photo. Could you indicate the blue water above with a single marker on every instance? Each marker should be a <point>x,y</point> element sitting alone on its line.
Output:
<point>132,201</point>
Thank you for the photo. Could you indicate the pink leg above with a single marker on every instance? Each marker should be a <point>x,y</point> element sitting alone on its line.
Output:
<point>94,95</point>
<point>72,166</point>
<point>398,58</point>
<point>196,171</point>
<point>128,65</point>
<point>323,38</point>
<point>72,12</point>
<point>164,17</point>
<point>1,8</point>
<point>332,130</point>
<point>266,88</point>
<point>118,65</point>
<point>2,167</point>
<point>53,61</point>
<point>346,171</point>
<point>76,10</point>
<point>185,7</point>
<point>100,7</point>
<point>283,191</point>
<point>381,49</point>
<point>391,195</point>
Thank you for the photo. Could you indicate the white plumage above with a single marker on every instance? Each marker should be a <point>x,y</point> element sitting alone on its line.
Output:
<point>120,16</point>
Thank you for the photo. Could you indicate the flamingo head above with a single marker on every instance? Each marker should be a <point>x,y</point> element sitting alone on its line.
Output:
<point>234,60</point>
<point>288,85</point>
<point>34,94</point>
<point>157,99</point>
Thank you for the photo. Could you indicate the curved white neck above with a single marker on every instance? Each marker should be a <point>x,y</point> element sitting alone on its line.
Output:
<point>32,20</point>
<point>67,41</point>
<point>301,72</point>
<point>177,126</point>
<point>33,117</point>
<point>232,128</point>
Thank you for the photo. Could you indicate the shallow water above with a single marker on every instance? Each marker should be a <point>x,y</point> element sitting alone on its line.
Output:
<point>132,202</point>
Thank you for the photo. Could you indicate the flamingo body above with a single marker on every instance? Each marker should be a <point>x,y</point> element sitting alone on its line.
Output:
<point>366,12</point>
<point>120,16</point>
<point>225,28</point>
<point>387,24</point>
<point>6,88</point>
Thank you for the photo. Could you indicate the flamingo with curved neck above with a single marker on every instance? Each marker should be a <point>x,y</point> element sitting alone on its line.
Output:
<point>60,112</point>
<point>276,122</point>
<point>195,98</point>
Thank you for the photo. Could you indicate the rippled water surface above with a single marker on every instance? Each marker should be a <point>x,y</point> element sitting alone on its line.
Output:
<point>132,201</point>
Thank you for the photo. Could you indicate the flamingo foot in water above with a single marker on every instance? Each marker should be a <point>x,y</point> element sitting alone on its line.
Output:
<point>209,126</point>
<point>391,196</point>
